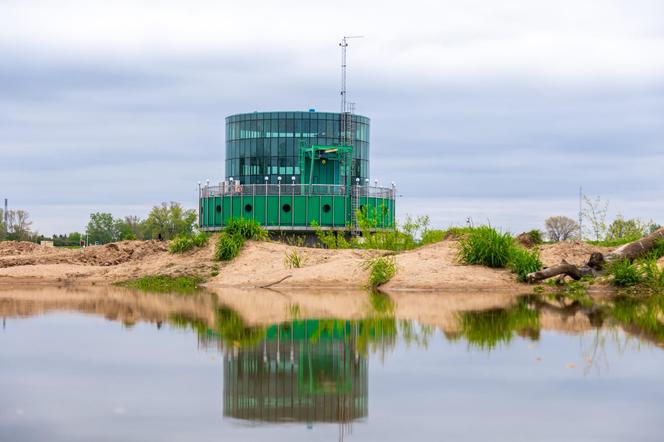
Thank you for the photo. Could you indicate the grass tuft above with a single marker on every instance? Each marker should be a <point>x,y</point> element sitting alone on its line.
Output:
<point>165,284</point>
<point>625,273</point>
<point>237,231</point>
<point>294,260</point>
<point>522,262</point>
<point>486,246</point>
<point>381,270</point>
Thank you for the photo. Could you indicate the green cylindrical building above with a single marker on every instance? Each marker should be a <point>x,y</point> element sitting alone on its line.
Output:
<point>290,171</point>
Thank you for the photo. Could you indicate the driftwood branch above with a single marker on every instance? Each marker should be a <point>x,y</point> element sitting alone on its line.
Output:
<point>597,261</point>
<point>564,268</point>
<point>275,282</point>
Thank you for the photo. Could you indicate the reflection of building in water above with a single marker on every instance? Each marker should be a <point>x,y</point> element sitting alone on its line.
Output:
<point>305,371</point>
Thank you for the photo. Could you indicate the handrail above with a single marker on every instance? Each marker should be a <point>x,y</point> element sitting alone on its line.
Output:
<point>235,188</point>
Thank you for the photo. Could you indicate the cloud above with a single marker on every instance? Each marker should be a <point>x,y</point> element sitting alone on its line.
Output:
<point>122,104</point>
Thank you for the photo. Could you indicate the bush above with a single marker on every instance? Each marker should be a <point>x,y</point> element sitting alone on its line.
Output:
<point>625,273</point>
<point>228,246</point>
<point>237,231</point>
<point>381,270</point>
<point>184,243</point>
<point>523,261</point>
<point>485,246</point>
<point>245,228</point>
<point>653,276</point>
<point>535,237</point>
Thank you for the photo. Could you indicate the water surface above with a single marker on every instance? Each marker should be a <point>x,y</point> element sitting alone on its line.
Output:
<point>115,365</point>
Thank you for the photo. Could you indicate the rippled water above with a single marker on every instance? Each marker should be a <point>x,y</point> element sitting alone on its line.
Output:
<point>113,365</point>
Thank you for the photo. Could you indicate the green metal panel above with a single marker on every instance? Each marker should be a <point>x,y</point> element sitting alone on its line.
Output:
<point>299,211</point>
<point>303,210</point>
<point>314,210</point>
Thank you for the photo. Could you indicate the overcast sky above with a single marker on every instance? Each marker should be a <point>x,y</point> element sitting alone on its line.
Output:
<point>491,110</point>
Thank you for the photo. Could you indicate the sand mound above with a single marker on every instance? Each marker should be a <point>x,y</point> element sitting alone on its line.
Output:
<point>262,263</point>
<point>574,252</point>
<point>11,248</point>
<point>435,267</point>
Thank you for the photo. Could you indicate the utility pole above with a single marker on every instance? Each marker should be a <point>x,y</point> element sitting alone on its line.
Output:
<point>580,213</point>
<point>344,104</point>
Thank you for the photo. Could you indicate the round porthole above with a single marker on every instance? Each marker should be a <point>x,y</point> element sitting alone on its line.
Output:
<point>248,208</point>
<point>286,208</point>
<point>218,207</point>
<point>326,208</point>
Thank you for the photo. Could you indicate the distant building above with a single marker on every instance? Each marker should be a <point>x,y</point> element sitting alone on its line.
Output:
<point>289,170</point>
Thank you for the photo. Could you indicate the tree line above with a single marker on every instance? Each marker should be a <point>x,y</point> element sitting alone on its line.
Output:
<point>163,222</point>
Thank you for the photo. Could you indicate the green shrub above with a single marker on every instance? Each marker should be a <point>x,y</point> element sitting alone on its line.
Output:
<point>236,232</point>
<point>522,262</point>
<point>183,243</point>
<point>381,270</point>
<point>535,237</point>
<point>245,228</point>
<point>625,273</point>
<point>653,276</point>
<point>200,239</point>
<point>485,246</point>
<point>228,246</point>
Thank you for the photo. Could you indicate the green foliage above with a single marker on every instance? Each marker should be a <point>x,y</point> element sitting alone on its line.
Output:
<point>101,228</point>
<point>169,220</point>
<point>183,243</point>
<point>641,312</point>
<point>653,276</point>
<point>228,247</point>
<point>656,252</point>
<point>626,229</point>
<point>522,262</point>
<point>625,273</point>
<point>486,246</point>
<point>432,236</point>
<point>245,228</point>
<point>486,329</point>
<point>165,284</point>
<point>293,260</point>
<point>381,270</point>
<point>237,231</point>
<point>535,237</point>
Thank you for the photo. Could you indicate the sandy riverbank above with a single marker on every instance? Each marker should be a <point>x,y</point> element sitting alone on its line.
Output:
<point>432,267</point>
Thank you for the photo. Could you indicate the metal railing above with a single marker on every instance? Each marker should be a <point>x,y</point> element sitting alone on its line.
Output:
<point>234,188</point>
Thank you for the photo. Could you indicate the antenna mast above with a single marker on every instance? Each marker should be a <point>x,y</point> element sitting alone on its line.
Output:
<point>345,118</point>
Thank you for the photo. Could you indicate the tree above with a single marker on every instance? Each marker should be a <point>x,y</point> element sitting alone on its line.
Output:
<point>595,212</point>
<point>129,228</point>
<point>169,220</point>
<point>561,228</point>
<point>18,225</point>
<point>101,228</point>
<point>631,229</point>
<point>3,228</point>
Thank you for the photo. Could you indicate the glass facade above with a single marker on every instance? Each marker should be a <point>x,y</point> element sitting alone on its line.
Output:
<point>264,144</point>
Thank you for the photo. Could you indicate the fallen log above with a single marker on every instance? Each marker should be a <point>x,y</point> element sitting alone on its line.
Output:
<point>564,268</point>
<point>597,261</point>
